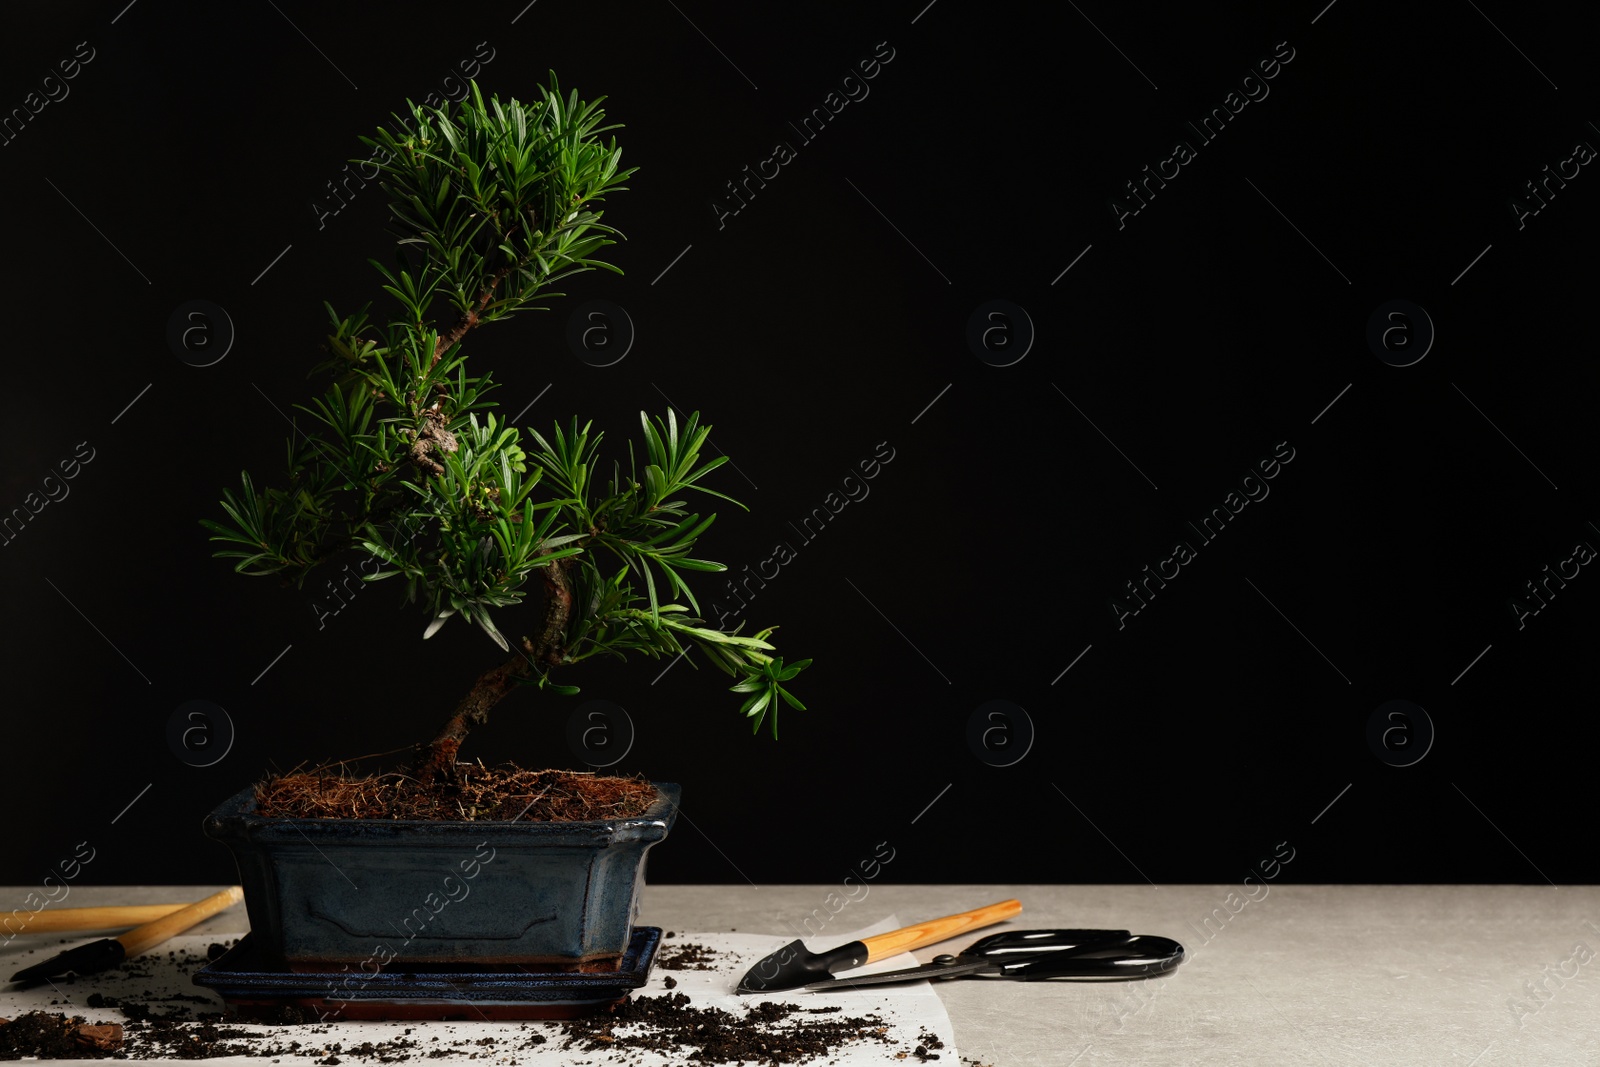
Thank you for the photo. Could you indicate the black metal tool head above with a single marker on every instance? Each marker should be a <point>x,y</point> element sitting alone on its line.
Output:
<point>92,958</point>
<point>793,966</point>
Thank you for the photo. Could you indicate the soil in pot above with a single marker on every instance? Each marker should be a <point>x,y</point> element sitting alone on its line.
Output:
<point>502,793</point>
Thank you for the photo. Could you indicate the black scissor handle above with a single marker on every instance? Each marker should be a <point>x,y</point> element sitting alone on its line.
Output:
<point>1041,954</point>
<point>1009,942</point>
<point>1140,956</point>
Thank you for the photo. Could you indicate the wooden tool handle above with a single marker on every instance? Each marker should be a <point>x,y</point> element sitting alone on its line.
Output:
<point>61,920</point>
<point>880,946</point>
<point>151,934</point>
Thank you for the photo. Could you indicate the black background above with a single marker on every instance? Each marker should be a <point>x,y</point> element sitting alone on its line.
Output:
<point>826,317</point>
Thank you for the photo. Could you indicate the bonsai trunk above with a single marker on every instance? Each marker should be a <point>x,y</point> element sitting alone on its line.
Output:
<point>436,762</point>
<point>470,319</point>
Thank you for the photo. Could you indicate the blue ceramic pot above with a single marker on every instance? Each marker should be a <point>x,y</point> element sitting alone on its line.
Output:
<point>331,893</point>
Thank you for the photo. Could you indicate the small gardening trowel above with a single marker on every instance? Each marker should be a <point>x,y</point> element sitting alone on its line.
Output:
<point>793,966</point>
<point>102,955</point>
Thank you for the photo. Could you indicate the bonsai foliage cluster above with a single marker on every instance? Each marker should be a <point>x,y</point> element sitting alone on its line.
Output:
<point>409,466</point>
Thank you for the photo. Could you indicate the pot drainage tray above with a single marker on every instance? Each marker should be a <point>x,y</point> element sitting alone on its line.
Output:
<point>256,990</point>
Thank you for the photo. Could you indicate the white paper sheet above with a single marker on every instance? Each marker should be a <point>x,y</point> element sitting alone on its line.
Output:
<point>909,1010</point>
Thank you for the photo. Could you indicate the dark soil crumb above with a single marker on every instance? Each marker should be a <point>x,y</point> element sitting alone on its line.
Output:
<point>766,1034</point>
<point>687,957</point>
<point>671,982</point>
<point>926,1043</point>
<point>502,793</point>
<point>284,1015</point>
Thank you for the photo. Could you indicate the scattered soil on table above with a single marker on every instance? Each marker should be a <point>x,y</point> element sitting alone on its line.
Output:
<point>184,1026</point>
<point>504,793</point>
<point>49,1035</point>
<point>768,1033</point>
<point>687,957</point>
<point>182,1036</point>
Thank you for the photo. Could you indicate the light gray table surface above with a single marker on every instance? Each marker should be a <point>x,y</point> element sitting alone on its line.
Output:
<point>1470,976</point>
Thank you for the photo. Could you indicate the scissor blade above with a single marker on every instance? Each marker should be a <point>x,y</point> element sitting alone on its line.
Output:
<point>909,974</point>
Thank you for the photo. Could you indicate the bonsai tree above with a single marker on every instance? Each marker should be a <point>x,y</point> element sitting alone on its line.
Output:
<point>554,556</point>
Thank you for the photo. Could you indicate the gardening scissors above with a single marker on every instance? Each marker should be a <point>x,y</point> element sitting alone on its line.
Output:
<point>1032,955</point>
